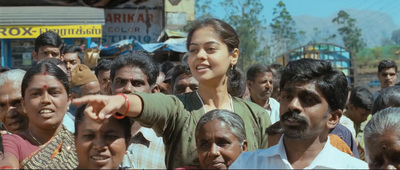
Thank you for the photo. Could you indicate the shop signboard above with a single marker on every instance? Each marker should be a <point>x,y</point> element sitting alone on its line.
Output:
<point>142,22</point>
<point>65,31</point>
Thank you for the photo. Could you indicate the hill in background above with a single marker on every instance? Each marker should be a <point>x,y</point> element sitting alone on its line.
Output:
<point>375,26</point>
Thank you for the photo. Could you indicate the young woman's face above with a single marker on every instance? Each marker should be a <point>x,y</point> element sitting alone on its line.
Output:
<point>217,146</point>
<point>45,101</point>
<point>100,145</point>
<point>209,57</point>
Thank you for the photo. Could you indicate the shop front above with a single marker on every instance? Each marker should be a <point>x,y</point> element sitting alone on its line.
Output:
<point>18,31</point>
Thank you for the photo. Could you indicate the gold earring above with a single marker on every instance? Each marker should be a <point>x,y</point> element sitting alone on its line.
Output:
<point>67,108</point>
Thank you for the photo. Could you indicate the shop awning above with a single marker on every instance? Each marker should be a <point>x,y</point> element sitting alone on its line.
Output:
<point>125,46</point>
<point>68,22</point>
<point>51,15</point>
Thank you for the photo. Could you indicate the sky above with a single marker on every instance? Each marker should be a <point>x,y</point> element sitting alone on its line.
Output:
<point>325,8</point>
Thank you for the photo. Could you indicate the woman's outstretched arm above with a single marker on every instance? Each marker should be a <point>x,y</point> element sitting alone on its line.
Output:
<point>102,106</point>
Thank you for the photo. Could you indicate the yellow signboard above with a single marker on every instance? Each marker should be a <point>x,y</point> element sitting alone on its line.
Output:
<point>65,31</point>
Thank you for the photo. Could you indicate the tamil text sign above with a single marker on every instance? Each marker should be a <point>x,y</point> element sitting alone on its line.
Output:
<point>65,31</point>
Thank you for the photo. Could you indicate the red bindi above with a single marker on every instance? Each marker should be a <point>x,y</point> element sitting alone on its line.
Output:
<point>44,73</point>
<point>45,86</point>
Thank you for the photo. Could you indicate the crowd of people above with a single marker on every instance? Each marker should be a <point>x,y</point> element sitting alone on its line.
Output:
<point>202,113</point>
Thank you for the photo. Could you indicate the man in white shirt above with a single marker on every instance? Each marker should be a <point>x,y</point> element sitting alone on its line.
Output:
<point>312,96</point>
<point>260,81</point>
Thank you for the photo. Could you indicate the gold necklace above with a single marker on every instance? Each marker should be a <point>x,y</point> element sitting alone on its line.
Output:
<point>33,137</point>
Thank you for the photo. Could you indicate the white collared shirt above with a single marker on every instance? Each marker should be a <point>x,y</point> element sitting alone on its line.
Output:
<point>348,123</point>
<point>272,109</point>
<point>275,158</point>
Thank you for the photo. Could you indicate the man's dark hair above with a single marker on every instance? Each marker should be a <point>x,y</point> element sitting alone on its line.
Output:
<point>139,59</point>
<point>103,64</point>
<point>166,66</point>
<point>277,70</point>
<point>4,69</point>
<point>255,69</point>
<point>385,64</point>
<point>178,70</point>
<point>49,38</point>
<point>361,97</point>
<point>388,97</point>
<point>74,49</point>
<point>331,82</point>
<point>55,61</point>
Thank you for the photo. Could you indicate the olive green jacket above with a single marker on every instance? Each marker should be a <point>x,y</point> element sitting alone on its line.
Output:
<point>175,119</point>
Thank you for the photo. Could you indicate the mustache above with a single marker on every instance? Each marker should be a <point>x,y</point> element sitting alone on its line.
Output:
<point>294,116</point>
<point>267,91</point>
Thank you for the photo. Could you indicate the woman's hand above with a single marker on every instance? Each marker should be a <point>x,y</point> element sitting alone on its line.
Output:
<point>100,107</point>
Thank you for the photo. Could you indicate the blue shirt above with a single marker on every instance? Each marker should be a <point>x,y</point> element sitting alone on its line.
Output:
<point>346,136</point>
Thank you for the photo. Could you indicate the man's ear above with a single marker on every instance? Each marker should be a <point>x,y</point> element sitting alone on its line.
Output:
<point>108,88</point>
<point>334,118</point>
<point>155,89</point>
<point>35,56</point>
<point>249,84</point>
<point>62,57</point>
<point>70,100</point>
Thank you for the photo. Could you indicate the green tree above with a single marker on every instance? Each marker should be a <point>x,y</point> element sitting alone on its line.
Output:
<point>301,37</point>
<point>246,18</point>
<point>203,8</point>
<point>284,34</point>
<point>396,36</point>
<point>351,34</point>
<point>317,37</point>
<point>377,52</point>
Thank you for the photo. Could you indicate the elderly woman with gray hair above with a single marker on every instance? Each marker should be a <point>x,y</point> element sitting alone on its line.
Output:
<point>220,138</point>
<point>382,139</point>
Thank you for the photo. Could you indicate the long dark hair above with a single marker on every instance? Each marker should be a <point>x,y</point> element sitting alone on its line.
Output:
<point>228,35</point>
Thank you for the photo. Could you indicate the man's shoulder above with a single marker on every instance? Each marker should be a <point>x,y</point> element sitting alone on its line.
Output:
<point>247,160</point>
<point>351,162</point>
<point>256,159</point>
<point>344,160</point>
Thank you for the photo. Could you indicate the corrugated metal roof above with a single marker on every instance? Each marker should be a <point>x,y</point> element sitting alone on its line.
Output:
<point>51,15</point>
